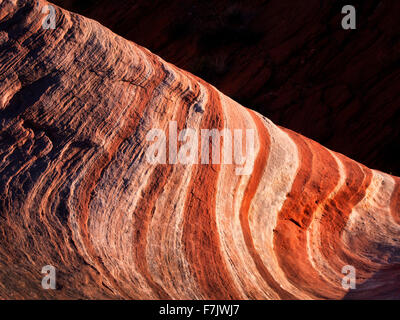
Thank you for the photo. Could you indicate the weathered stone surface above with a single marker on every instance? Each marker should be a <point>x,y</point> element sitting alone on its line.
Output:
<point>289,60</point>
<point>76,191</point>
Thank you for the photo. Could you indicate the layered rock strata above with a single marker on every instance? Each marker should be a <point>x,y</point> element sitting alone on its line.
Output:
<point>78,193</point>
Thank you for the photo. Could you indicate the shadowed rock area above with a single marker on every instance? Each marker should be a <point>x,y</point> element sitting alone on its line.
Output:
<point>77,193</point>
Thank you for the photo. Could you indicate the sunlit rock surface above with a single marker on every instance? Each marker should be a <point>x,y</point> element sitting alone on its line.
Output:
<point>289,60</point>
<point>77,192</point>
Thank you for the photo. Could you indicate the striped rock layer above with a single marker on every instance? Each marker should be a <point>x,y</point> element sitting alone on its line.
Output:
<point>77,193</point>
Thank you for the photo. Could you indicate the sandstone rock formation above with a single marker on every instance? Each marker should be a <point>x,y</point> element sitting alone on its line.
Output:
<point>289,60</point>
<point>77,192</point>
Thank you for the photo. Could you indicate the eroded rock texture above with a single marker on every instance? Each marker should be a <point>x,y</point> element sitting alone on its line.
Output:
<point>77,192</point>
<point>289,60</point>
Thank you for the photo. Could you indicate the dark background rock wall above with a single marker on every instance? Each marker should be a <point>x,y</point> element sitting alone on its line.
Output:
<point>289,60</point>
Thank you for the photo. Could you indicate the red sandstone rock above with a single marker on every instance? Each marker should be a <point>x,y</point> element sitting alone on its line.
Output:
<point>289,60</point>
<point>77,192</point>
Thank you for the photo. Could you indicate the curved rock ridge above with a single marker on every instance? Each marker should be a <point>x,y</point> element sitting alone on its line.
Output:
<point>289,60</point>
<point>78,193</point>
